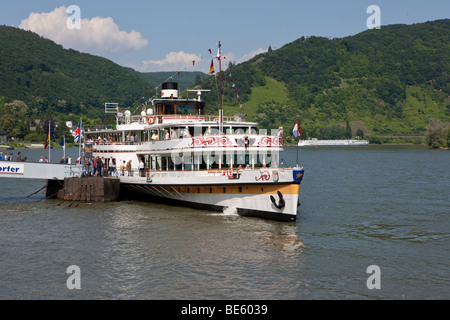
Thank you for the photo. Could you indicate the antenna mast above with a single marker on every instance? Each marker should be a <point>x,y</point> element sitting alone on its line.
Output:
<point>220,91</point>
<point>199,93</point>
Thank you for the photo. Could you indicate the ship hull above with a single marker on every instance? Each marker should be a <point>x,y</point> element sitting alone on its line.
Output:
<point>277,202</point>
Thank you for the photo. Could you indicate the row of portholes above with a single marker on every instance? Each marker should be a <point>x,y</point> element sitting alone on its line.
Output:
<point>179,189</point>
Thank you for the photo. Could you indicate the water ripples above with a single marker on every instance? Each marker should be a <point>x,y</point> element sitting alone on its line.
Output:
<point>382,206</point>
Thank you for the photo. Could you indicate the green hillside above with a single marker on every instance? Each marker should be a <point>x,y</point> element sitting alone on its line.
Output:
<point>41,80</point>
<point>185,79</point>
<point>386,83</point>
<point>382,84</point>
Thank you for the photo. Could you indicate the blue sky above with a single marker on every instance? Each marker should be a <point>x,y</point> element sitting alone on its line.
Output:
<point>167,35</point>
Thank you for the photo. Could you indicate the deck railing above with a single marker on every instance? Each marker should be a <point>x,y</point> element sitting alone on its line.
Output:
<point>162,119</point>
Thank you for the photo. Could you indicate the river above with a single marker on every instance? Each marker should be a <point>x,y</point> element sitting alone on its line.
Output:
<point>383,206</point>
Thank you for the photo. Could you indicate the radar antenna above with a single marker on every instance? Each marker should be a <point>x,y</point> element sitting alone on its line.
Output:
<point>199,93</point>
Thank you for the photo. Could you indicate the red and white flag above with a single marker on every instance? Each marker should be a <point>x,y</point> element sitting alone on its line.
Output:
<point>297,129</point>
<point>78,133</point>
<point>218,52</point>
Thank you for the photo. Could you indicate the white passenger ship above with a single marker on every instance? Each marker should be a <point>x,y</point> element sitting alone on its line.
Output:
<point>191,159</point>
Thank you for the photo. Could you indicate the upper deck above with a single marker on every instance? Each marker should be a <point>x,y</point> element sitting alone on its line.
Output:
<point>175,128</point>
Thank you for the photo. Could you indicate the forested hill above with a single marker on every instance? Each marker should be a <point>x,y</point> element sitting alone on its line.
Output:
<point>50,79</point>
<point>185,79</point>
<point>382,82</point>
<point>386,81</point>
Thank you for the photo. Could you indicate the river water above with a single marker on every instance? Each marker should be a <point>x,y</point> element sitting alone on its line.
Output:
<point>361,206</point>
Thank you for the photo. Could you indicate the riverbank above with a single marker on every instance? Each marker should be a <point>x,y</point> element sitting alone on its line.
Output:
<point>33,145</point>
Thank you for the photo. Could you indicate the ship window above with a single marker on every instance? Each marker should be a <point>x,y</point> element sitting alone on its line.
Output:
<point>214,160</point>
<point>199,110</point>
<point>224,190</point>
<point>241,160</point>
<point>210,190</point>
<point>169,109</point>
<point>186,109</point>
<point>226,161</point>
<point>214,130</point>
<point>240,189</point>
<point>264,160</point>
<point>241,130</point>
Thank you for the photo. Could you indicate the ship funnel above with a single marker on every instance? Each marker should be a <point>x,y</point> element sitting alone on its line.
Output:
<point>169,90</point>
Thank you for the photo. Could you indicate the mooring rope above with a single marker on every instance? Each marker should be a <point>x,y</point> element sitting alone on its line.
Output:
<point>37,191</point>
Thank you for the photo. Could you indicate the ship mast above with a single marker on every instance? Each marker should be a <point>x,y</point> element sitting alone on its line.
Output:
<point>220,91</point>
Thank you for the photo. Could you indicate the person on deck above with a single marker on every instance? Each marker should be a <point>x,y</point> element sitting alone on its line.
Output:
<point>123,167</point>
<point>142,168</point>
<point>99,166</point>
<point>130,173</point>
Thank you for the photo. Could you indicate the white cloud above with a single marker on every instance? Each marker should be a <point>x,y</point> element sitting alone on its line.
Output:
<point>182,61</point>
<point>174,61</point>
<point>97,35</point>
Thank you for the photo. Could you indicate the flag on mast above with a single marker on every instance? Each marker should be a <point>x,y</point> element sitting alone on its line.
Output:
<point>48,137</point>
<point>211,69</point>
<point>78,133</point>
<point>297,129</point>
<point>218,52</point>
<point>63,145</point>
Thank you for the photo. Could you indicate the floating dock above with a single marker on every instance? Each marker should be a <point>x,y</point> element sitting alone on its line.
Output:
<point>90,189</point>
<point>64,181</point>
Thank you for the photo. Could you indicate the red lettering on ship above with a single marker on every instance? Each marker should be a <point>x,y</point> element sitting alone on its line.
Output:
<point>265,176</point>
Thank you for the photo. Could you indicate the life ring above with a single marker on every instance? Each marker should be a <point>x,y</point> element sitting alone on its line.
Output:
<point>150,120</point>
